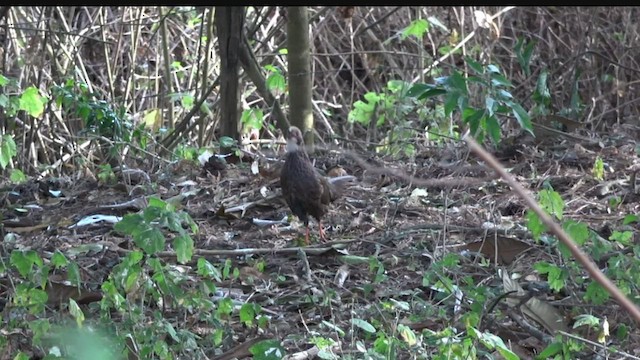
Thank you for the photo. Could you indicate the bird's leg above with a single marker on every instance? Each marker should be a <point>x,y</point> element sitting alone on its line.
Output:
<point>322,237</point>
<point>306,238</point>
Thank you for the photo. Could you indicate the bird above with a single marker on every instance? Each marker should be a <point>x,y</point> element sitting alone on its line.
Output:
<point>303,188</point>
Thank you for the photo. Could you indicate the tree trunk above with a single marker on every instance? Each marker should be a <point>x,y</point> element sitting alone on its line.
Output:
<point>229,21</point>
<point>300,110</point>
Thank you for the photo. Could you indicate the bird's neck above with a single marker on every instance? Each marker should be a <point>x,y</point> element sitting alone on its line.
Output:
<point>292,146</point>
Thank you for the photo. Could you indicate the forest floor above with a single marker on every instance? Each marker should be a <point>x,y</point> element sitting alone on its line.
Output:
<point>385,235</point>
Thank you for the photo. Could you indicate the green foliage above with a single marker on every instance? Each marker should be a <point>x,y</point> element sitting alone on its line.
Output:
<point>145,229</point>
<point>524,51</point>
<point>98,116</point>
<point>8,150</point>
<point>494,89</point>
<point>267,350</point>
<point>598,169</point>
<point>106,174</point>
<point>417,28</point>
<point>28,100</point>
<point>252,119</point>
<point>391,107</point>
<point>276,82</point>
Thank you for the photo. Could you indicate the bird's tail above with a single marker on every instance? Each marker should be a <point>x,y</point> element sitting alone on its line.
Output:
<point>338,184</point>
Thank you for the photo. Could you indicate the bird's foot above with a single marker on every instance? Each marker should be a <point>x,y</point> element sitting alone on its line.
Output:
<point>321,230</point>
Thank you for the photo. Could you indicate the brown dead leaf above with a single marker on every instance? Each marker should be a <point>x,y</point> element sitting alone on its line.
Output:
<point>502,248</point>
<point>60,291</point>
<point>539,310</point>
<point>336,171</point>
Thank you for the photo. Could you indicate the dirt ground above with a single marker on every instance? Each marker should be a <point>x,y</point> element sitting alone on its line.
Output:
<point>407,213</point>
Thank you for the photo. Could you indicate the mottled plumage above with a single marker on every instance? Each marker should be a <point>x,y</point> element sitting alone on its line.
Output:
<point>305,191</point>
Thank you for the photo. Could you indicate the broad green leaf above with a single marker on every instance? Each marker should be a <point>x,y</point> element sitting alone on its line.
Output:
<point>552,203</point>
<point>493,128</point>
<point>267,350</point>
<point>522,116</point>
<point>578,231</point>
<point>227,142</point>
<point>490,105</point>
<point>450,102</point>
<point>8,150</point>
<point>457,82</point>
<point>32,102</point>
<point>252,118</point>
<point>474,65</point>
<point>432,93</point>
<point>500,80</point>
<point>417,28</point>
<point>596,294</point>
<point>17,176</point>
<point>276,83</point>
<point>364,325</point>
<point>183,245</point>
<point>76,312</point>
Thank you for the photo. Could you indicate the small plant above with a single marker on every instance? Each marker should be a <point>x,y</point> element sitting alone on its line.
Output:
<point>494,88</point>
<point>106,174</point>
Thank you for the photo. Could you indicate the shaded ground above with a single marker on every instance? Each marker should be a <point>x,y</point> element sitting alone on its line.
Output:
<point>379,217</point>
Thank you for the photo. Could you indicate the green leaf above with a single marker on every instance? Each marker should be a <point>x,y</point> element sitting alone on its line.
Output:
<point>76,312</point>
<point>556,277</point>
<point>183,245</point>
<point>490,104</point>
<point>500,80</point>
<point>58,259</point>
<point>493,69</point>
<point>522,116</point>
<point>73,274</point>
<point>470,115</point>
<point>596,294</point>
<point>630,219</point>
<point>267,350</point>
<point>451,100</point>
<point>32,102</point>
<point>418,89</point>
<point>17,177</point>
<point>586,319</point>
<point>551,351</point>
<point>128,224</point>
<point>623,237</point>
<point>493,128</point>
<point>252,118</point>
<point>535,225</point>
<point>187,101</point>
<point>432,93</point>
<point>247,314</point>
<point>407,335</point>
<point>598,169</point>
<point>276,83</point>
<point>417,28</point>
<point>227,142</point>
<point>3,80</point>
<point>524,56</point>
<point>457,82</point>
<point>474,65</point>
<point>25,260</point>
<point>8,150</point>
<point>206,269</point>
<point>578,231</point>
<point>541,94</point>
<point>552,203</point>
<point>364,325</point>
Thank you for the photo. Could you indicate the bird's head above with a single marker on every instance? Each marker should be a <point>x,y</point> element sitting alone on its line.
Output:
<point>295,140</point>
